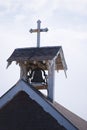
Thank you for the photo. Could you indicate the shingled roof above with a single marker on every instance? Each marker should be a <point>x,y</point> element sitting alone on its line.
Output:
<point>40,54</point>
<point>23,113</point>
<point>80,123</point>
<point>23,107</point>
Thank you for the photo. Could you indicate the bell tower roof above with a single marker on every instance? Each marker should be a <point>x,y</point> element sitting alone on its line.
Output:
<point>41,55</point>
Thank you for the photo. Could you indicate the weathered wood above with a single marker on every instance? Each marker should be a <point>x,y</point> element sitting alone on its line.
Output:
<point>51,74</point>
<point>23,71</point>
<point>41,87</point>
<point>47,58</point>
<point>40,56</point>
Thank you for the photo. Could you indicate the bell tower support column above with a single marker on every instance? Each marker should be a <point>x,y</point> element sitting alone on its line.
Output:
<point>23,71</point>
<point>51,74</point>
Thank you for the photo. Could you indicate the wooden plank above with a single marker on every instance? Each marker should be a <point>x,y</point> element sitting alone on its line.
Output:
<point>41,87</point>
<point>51,74</point>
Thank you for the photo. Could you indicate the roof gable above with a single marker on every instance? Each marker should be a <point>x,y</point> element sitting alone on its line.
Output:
<point>24,113</point>
<point>40,99</point>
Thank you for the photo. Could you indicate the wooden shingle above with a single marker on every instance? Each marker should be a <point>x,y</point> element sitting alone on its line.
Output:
<point>40,54</point>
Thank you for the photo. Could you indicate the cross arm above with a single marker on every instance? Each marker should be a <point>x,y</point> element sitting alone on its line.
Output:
<point>36,30</point>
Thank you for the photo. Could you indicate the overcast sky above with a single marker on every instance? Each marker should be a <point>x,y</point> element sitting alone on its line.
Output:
<point>67,24</point>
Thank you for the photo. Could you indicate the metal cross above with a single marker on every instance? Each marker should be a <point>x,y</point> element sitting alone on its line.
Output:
<point>38,30</point>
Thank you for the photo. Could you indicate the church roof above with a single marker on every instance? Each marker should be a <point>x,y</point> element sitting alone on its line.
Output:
<point>21,97</point>
<point>40,54</point>
<point>80,123</point>
<point>24,113</point>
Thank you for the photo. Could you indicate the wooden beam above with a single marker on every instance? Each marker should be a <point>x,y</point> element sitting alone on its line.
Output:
<point>23,71</point>
<point>41,87</point>
<point>51,71</point>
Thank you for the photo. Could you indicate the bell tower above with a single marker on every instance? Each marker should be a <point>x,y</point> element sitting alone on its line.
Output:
<point>38,64</point>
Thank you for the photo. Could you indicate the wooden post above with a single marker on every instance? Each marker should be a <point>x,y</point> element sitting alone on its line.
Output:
<point>23,71</point>
<point>51,74</point>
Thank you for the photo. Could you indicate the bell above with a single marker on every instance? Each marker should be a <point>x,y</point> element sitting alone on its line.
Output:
<point>36,75</point>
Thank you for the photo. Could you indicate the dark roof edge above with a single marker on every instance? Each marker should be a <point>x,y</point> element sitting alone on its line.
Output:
<point>38,47</point>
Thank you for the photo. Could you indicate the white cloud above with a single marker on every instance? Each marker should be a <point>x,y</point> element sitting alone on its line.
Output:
<point>62,10</point>
<point>33,5</point>
<point>78,6</point>
<point>25,5</point>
